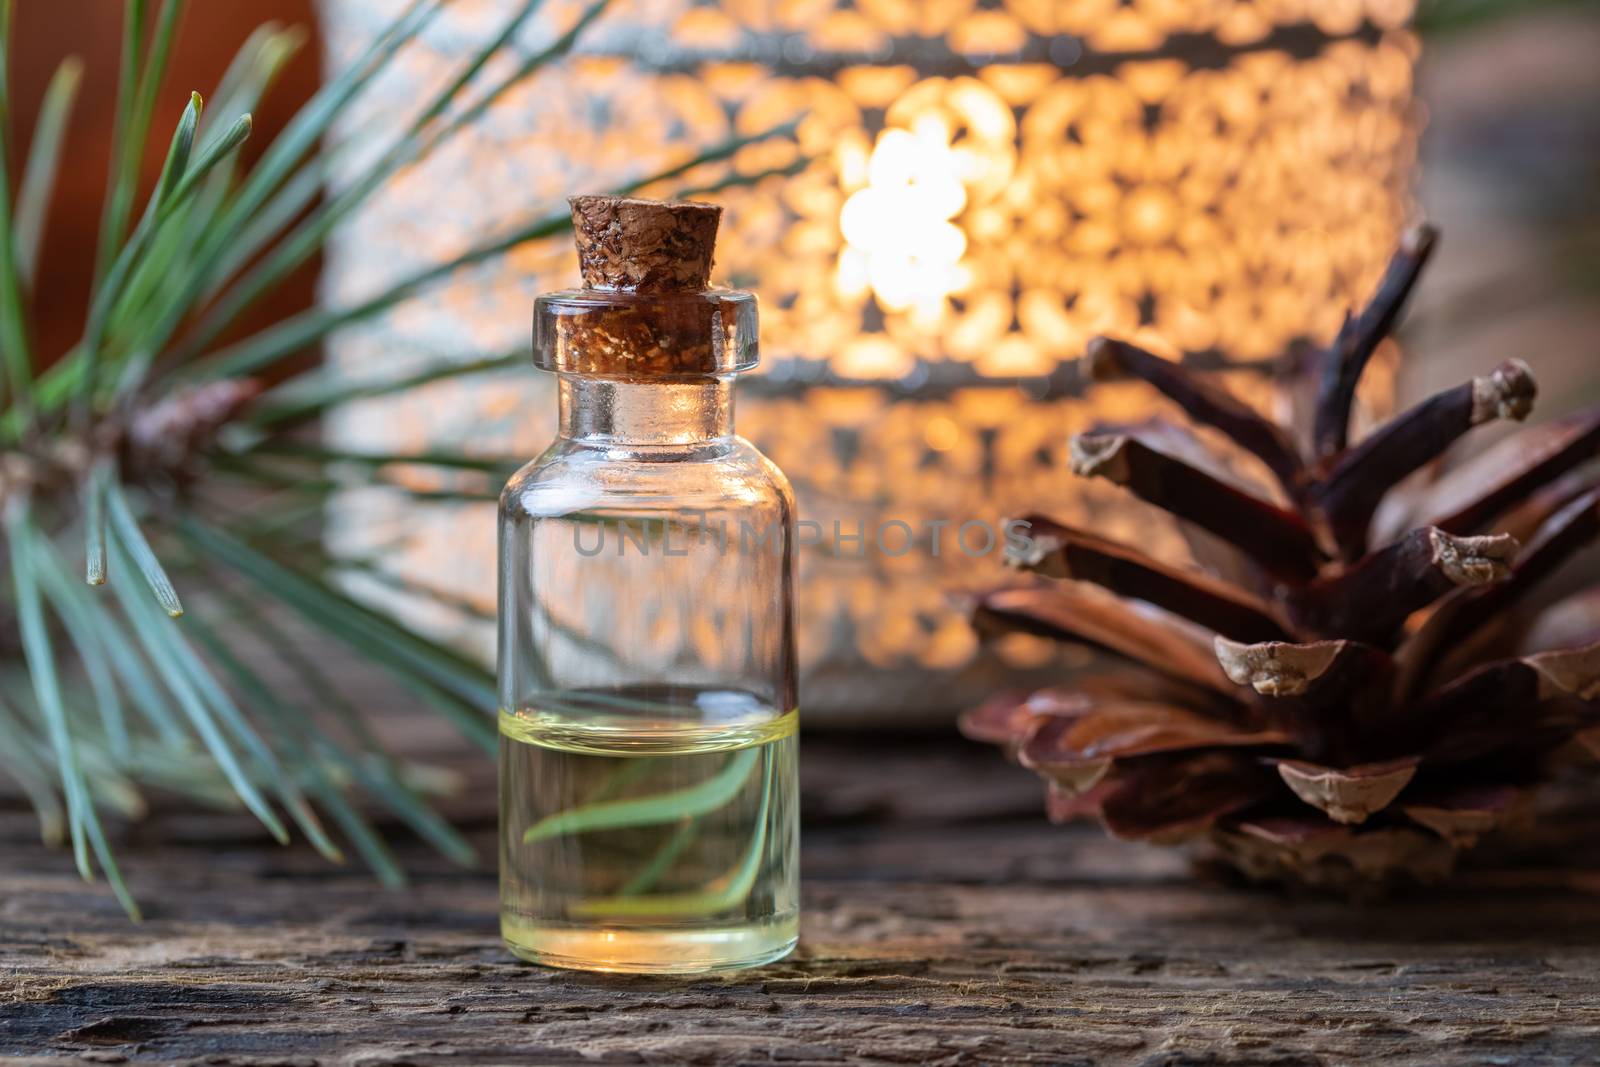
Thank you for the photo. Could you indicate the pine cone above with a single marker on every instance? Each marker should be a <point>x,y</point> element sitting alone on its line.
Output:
<point>1364,682</point>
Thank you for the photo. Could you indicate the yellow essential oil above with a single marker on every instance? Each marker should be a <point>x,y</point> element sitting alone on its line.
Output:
<point>651,841</point>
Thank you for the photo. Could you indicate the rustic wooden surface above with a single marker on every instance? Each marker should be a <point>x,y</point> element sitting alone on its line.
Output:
<point>946,922</point>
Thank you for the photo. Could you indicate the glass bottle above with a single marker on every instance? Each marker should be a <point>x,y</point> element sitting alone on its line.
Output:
<point>648,794</point>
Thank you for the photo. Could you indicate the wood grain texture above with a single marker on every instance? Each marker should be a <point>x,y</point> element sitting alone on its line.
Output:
<point>946,923</point>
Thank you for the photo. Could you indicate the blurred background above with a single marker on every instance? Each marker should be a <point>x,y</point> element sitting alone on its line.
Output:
<point>937,380</point>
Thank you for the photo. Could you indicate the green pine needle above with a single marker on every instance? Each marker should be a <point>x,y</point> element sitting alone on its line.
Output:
<point>136,108</point>
<point>73,607</point>
<point>161,646</point>
<point>44,160</point>
<point>14,342</point>
<point>727,891</point>
<point>131,539</point>
<point>699,799</point>
<point>94,524</point>
<point>42,668</point>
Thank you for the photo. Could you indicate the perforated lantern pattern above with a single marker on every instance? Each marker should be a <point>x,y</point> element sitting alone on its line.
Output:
<point>984,186</point>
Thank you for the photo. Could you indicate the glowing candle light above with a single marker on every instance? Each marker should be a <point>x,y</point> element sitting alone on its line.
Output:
<point>985,188</point>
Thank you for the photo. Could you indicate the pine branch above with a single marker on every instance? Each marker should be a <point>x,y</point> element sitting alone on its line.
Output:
<point>178,181</point>
<point>126,697</point>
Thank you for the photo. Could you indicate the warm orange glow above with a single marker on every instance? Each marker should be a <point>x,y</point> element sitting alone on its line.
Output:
<point>982,188</point>
<point>897,231</point>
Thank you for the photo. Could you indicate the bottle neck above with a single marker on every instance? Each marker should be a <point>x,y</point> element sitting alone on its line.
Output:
<point>608,411</point>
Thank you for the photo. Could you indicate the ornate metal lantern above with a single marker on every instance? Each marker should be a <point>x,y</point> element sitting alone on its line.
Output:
<point>981,187</point>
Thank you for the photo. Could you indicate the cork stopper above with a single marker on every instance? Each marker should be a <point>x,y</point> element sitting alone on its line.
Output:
<point>646,311</point>
<point>644,246</point>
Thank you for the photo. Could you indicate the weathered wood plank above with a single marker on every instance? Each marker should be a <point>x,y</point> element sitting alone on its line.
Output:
<point>945,923</point>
